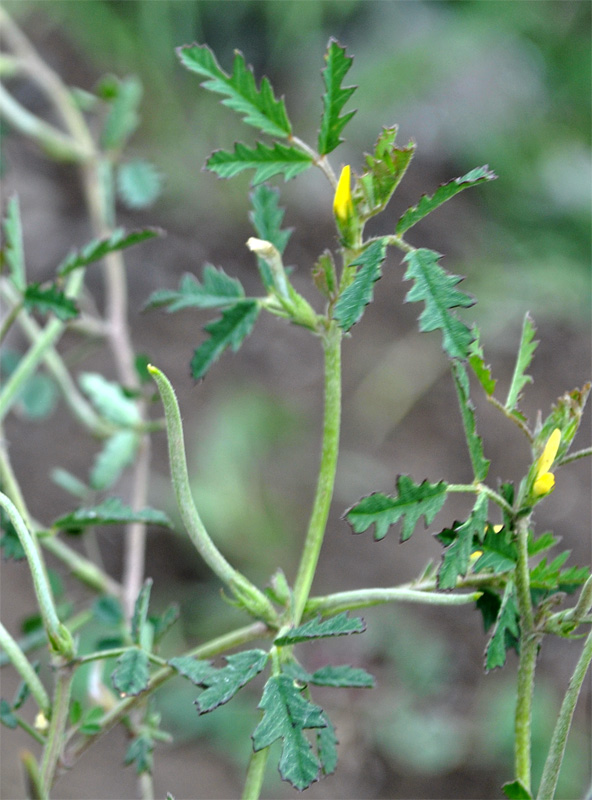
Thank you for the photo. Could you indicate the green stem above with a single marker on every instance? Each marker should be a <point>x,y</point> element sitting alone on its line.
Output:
<point>362,598</point>
<point>38,638</point>
<point>563,724</point>
<point>59,720</point>
<point>25,670</point>
<point>255,774</point>
<point>480,488</point>
<point>246,592</point>
<point>328,467</point>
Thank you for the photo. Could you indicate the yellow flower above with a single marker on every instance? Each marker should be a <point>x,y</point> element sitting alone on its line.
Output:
<point>41,722</point>
<point>544,480</point>
<point>342,202</point>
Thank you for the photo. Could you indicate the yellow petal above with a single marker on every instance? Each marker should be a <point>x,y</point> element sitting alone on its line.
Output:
<point>342,202</point>
<point>549,453</point>
<point>544,483</point>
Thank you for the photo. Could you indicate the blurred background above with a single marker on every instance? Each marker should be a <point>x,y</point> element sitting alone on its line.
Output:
<point>507,84</point>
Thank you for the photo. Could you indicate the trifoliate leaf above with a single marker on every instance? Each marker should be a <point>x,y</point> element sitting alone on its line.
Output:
<point>123,118</point>
<point>110,400</point>
<point>443,193</point>
<point>259,107</point>
<point>139,183</point>
<point>384,170</point>
<point>476,360</point>
<point>286,715</point>
<point>140,752</point>
<point>222,684</point>
<point>131,674</point>
<point>335,97</point>
<point>266,161</point>
<point>266,217</point>
<point>49,300</point>
<point>111,511</point>
<point>217,291</point>
<point>327,747</point>
<point>13,253</point>
<point>435,287</point>
<point>350,306</point>
<point>97,249</point>
<point>141,610</point>
<point>525,354</point>
<point>505,632</point>
<point>118,453</point>
<point>467,410</point>
<point>457,554</point>
<point>229,331</point>
<point>339,625</point>
<point>411,502</point>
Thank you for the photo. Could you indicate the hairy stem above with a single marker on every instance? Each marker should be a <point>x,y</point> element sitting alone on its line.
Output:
<point>25,670</point>
<point>255,774</point>
<point>57,727</point>
<point>362,598</point>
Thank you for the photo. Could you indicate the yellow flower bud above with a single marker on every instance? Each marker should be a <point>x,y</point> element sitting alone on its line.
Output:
<point>41,722</point>
<point>544,483</point>
<point>549,453</point>
<point>342,202</point>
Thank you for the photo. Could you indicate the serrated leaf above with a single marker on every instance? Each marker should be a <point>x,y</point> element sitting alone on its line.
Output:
<point>118,453</point>
<point>131,674</point>
<point>499,552</point>
<point>97,249</point>
<point>551,578</point>
<point>164,622</point>
<point>111,511</point>
<point>467,410</point>
<point>384,170</point>
<point>443,193</point>
<point>259,107</point>
<point>266,161</point>
<point>544,542</point>
<point>266,217</point>
<point>140,752</point>
<point>351,304</point>
<point>411,502</point>
<point>229,331</point>
<point>342,675</point>
<point>286,715</point>
<point>217,291</point>
<point>435,287</point>
<point>223,684</point>
<point>327,747</point>
<point>13,252</point>
<point>141,610</point>
<point>123,117</point>
<point>193,669</point>
<point>139,183</point>
<point>339,625</point>
<point>516,791</point>
<point>109,399</point>
<point>49,300</point>
<point>476,360</point>
<point>335,97</point>
<point>457,555</point>
<point>525,354</point>
<point>505,632</point>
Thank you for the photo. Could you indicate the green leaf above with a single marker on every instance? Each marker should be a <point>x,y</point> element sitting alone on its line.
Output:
<point>9,541</point>
<point>435,287</point>
<point>97,249</point>
<point>266,161</point>
<point>259,107</point>
<point>525,354</point>
<point>123,117</point>
<point>516,791</point>
<point>193,669</point>
<point>476,360</point>
<point>339,625</point>
<point>544,542</point>
<point>223,684</point>
<point>286,715</point>
<point>229,331</point>
<point>343,675</point>
<point>566,415</point>
<point>13,252</point>
<point>457,555</point>
<point>141,610</point>
<point>131,674</point>
<point>551,578</point>
<point>6,716</point>
<point>216,291</point>
<point>411,502</point>
<point>70,483</point>
<point>111,511</point>
<point>50,300</point>
<point>384,171</point>
<point>499,552</point>
<point>351,304</point>
<point>118,453</point>
<point>164,622</point>
<point>505,632</point>
<point>467,410</point>
<point>38,396</point>
<point>108,610</point>
<point>91,721</point>
<point>140,752</point>
<point>110,400</point>
<point>139,183</point>
<point>266,217</point>
<point>443,193</point>
<point>327,746</point>
<point>335,97</point>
